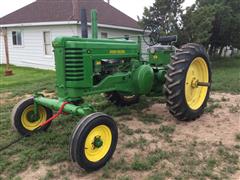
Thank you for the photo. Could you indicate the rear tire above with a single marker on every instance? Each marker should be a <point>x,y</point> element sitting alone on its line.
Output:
<point>186,99</point>
<point>122,100</point>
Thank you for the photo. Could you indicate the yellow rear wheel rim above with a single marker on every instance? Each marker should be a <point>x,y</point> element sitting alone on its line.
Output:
<point>31,124</point>
<point>102,133</point>
<point>198,72</point>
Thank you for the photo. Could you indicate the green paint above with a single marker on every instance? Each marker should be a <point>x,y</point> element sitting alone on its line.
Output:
<point>69,108</point>
<point>94,24</point>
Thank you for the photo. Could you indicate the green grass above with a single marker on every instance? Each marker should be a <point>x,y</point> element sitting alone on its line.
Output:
<point>226,75</point>
<point>125,129</point>
<point>140,164</point>
<point>212,106</point>
<point>150,118</point>
<point>26,80</point>
<point>137,143</point>
<point>167,129</point>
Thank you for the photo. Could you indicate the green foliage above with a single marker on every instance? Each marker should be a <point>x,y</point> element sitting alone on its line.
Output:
<point>214,22</point>
<point>163,13</point>
<point>197,25</point>
<point>209,22</point>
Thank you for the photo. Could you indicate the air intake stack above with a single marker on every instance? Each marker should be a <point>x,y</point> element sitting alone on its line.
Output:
<point>84,27</point>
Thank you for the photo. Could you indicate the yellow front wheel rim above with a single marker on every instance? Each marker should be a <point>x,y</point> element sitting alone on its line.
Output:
<point>98,143</point>
<point>197,72</point>
<point>31,124</point>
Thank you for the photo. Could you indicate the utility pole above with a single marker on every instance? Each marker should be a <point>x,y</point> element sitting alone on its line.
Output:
<point>8,71</point>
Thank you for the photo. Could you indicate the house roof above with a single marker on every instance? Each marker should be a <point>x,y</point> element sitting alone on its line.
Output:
<point>62,10</point>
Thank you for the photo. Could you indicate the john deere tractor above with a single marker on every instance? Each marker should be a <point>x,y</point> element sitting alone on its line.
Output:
<point>115,67</point>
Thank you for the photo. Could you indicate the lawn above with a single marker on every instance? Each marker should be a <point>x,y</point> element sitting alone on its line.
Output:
<point>190,159</point>
<point>226,75</point>
<point>26,80</point>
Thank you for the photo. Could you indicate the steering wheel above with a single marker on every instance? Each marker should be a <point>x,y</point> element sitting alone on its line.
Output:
<point>151,34</point>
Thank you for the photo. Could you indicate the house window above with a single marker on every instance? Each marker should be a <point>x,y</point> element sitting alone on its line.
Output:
<point>47,43</point>
<point>104,35</point>
<point>17,38</point>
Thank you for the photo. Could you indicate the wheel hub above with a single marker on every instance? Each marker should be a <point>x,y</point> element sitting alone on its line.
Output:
<point>30,120</point>
<point>194,83</point>
<point>32,117</point>
<point>97,143</point>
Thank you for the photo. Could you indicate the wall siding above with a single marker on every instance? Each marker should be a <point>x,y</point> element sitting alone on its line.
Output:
<point>2,52</point>
<point>31,53</point>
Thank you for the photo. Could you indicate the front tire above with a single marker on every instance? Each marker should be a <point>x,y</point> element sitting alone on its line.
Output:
<point>93,141</point>
<point>23,120</point>
<point>188,82</point>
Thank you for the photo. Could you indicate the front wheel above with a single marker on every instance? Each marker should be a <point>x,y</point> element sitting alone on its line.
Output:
<point>94,141</point>
<point>25,121</point>
<point>188,82</point>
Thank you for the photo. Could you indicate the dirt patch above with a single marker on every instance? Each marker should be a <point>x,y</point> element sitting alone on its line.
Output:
<point>49,94</point>
<point>66,169</point>
<point>220,126</point>
<point>3,97</point>
<point>34,174</point>
<point>6,98</point>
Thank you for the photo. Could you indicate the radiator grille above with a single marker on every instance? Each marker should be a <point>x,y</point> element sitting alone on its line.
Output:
<point>74,69</point>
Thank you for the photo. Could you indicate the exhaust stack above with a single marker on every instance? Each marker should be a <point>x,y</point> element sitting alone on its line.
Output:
<point>84,27</point>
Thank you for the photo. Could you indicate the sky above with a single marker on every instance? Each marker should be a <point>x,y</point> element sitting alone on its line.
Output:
<point>132,8</point>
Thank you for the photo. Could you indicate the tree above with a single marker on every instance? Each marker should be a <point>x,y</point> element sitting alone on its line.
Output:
<point>197,24</point>
<point>214,23</point>
<point>165,14</point>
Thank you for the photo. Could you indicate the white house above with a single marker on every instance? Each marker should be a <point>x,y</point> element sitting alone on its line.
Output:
<point>31,29</point>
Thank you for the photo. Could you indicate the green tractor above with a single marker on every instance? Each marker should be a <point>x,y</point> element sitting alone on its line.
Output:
<point>115,67</point>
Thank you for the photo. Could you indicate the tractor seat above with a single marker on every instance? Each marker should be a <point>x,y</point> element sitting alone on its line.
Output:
<point>167,39</point>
